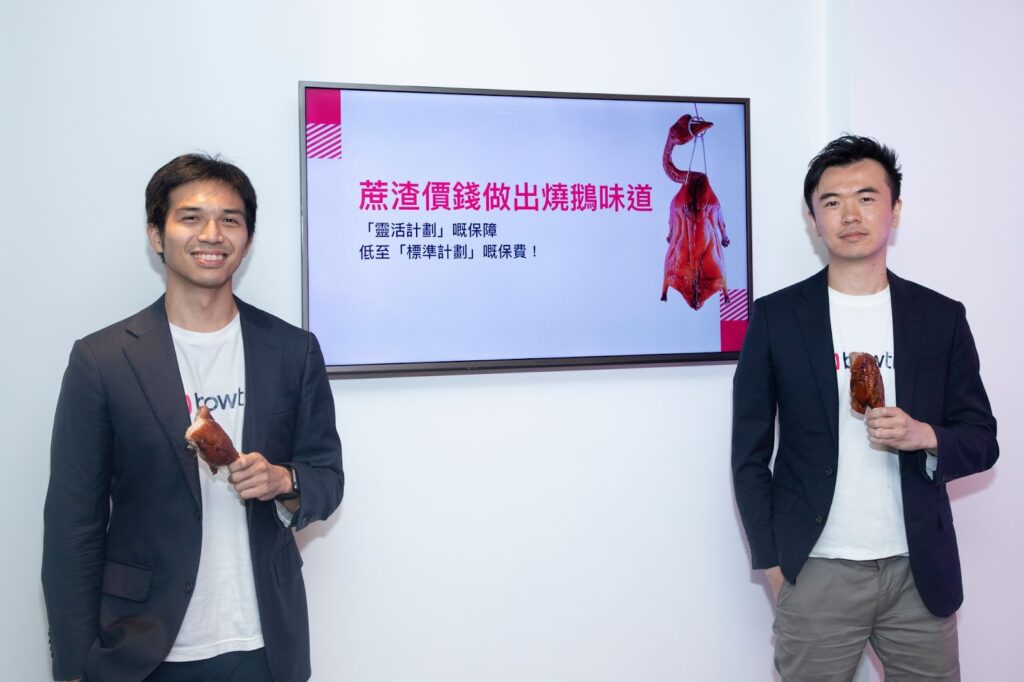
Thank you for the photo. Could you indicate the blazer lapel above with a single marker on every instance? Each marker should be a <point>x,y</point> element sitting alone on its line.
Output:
<point>905,340</point>
<point>816,330</point>
<point>262,368</point>
<point>150,352</point>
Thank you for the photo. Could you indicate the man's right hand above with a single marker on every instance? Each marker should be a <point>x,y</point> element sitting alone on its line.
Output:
<point>774,576</point>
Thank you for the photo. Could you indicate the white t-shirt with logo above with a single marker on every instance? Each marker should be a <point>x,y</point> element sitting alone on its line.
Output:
<point>866,518</point>
<point>222,614</point>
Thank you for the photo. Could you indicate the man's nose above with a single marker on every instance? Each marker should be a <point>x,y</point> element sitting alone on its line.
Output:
<point>211,232</point>
<point>851,213</point>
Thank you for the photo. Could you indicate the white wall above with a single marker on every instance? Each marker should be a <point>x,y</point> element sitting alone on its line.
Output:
<point>539,526</point>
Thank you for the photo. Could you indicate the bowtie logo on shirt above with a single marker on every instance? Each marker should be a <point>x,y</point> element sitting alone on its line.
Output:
<point>217,402</point>
<point>885,360</point>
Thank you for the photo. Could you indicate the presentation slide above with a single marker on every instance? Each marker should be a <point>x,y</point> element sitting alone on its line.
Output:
<point>449,230</point>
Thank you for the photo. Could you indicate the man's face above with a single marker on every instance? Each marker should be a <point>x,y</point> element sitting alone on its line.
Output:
<point>854,213</point>
<point>205,236</point>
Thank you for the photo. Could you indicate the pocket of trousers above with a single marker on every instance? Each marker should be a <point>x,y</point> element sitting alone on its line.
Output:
<point>783,591</point>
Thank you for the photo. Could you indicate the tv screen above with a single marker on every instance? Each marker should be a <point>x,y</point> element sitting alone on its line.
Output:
<point>451,230</point>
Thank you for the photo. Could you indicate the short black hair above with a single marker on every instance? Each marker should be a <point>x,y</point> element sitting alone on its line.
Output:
<point>849,149</point>
<point>191,168</point>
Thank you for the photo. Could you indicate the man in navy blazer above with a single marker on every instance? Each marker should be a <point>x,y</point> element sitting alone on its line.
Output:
<point>852,523</point>
<point>126,512</point>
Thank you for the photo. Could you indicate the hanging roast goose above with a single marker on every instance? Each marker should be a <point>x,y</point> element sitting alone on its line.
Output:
<point>694,265</point>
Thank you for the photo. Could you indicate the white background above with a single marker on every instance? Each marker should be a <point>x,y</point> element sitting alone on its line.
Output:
<point>546,526</point>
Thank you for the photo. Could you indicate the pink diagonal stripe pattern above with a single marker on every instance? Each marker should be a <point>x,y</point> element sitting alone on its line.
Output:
<point>736,308</point>
<point>323,141</point>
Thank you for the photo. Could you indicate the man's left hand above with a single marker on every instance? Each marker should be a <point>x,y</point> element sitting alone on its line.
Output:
<point>254,477</point>
<point>894,428</point>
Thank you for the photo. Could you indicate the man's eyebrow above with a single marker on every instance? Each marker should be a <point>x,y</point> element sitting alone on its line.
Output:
<point>233,211</point>
<point>863,190</point>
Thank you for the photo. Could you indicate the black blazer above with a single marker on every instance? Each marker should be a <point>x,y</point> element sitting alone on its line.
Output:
<point>787,368</point>
<point>122,521</point>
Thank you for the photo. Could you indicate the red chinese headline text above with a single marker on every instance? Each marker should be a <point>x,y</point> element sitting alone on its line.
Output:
<point>378,195</point>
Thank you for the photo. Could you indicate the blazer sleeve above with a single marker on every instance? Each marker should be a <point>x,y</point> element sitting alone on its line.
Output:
<point>76,512</point>
<point>967,433</point>
<point>316,454</point>
<point>754,395</point>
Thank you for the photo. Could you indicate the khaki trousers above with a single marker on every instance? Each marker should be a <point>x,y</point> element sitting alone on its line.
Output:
<point>837,606</point>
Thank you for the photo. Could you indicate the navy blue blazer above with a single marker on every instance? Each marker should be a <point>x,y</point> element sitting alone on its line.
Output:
<point>123,514</point>
<point>787,369</point>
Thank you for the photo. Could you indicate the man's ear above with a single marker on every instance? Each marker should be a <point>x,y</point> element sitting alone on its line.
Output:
<point>897,207</point>
<point>156,242</point>
<point>810,216</point>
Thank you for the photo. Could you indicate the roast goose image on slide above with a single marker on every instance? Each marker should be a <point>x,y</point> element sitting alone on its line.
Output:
<point>209,441</point>
<point>694,265</point>
<point>866,389</point>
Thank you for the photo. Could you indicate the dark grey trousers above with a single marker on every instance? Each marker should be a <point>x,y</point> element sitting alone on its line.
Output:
<point>837,607</point>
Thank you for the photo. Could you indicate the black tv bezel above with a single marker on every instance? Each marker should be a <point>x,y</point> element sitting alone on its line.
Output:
<point>515,364</point>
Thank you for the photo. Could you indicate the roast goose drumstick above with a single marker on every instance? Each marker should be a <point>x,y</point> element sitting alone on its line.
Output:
<point>209,441</point>
<point>866,389</point>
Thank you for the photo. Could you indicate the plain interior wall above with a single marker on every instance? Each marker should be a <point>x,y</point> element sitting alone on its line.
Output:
<point>529,526</point>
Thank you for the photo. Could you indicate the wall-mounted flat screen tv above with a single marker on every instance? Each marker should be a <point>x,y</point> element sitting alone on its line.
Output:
<point>454,230</point>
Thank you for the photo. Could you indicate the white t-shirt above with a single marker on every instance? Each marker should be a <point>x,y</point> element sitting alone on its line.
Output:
<point>866,518</point>
<point>222,614</point>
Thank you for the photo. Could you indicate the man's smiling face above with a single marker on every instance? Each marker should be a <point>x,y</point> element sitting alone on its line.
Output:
<point>204,238</point>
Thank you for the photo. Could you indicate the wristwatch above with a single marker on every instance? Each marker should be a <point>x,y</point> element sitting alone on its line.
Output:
<point>295,485</point>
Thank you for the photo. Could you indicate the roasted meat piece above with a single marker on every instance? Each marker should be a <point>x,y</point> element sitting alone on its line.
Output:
<point>866,389</point>
<point>209,441</point>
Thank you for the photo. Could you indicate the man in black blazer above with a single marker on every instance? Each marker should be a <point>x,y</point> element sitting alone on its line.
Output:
<point>128,508</point>
<point>852,523</point>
